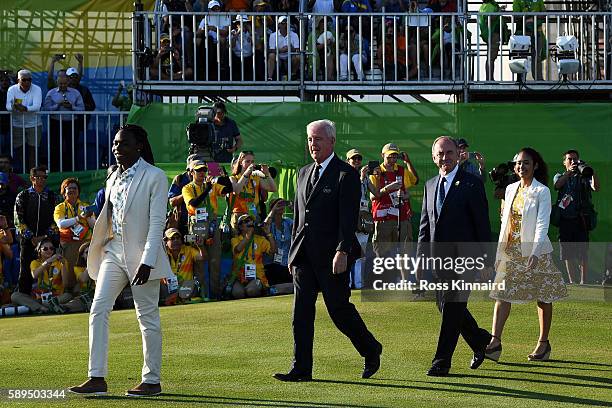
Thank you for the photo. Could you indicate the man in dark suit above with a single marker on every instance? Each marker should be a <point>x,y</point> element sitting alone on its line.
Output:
<point>326,209</point>
<point>455,211</point>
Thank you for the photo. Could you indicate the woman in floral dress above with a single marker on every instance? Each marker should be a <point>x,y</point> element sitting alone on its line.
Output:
<point>524,260</point>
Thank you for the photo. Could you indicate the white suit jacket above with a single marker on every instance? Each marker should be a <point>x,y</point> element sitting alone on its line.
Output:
<point>143,223</point>
<point>536,218</point>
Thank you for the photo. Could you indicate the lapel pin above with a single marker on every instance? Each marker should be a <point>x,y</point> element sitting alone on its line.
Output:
<point>457,183</point>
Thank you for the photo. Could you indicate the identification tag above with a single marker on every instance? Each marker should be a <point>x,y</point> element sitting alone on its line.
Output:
<point>252,209</point>
<point>565,201</point>
<point>77,229</point>
<point>201,215</point>
<point>393,211</point>
<point>395,197</point>
<point>363,205</point>
<point>250,271</point>
<point>44,297</point>
<point>172,282</point>
<point>278,256</point>
<point>381,213</point>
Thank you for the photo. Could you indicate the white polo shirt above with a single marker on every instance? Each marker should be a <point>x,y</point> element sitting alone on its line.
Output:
<point>31,100</point>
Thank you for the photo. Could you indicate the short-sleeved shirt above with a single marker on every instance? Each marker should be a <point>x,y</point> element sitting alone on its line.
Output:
<point>247,201</point>
<point>182,266</point>
<point>409,178</point>
<point>50,280</point>
<point>283,41</point>
<point>64,211</point>
<point>575,187</point>
<point>282,239</point>
<point>225,133</point>
<point>192,190</point>
<point>254,255</point>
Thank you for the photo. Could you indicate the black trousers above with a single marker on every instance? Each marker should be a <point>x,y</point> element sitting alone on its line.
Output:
<point>308,280</point>
<point>26,255</point>
<point>456,320</point>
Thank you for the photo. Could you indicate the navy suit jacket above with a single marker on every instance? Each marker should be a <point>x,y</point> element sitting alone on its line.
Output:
<point>325,221</point>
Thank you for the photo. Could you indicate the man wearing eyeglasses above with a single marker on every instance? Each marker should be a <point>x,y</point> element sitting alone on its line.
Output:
<point>24,99</point>
<point>34,221</point>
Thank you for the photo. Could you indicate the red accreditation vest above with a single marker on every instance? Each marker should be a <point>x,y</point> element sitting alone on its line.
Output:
<point>382,205</point>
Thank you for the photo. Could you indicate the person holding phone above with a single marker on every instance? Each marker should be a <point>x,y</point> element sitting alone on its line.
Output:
<point>471,162</point>
<point>75,220</point>
<point>126,248</point>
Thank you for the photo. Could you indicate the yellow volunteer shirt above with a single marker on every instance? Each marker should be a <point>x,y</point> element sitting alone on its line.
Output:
<point>409,178</point>
<point>254,255</point>
<point>191,191</point>
<point>247,200</point>
<point>65,211</point>
<point>182,266</point>
<point>50,280</point>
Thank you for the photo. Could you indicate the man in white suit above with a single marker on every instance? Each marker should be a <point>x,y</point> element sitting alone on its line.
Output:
<point>126,247</point>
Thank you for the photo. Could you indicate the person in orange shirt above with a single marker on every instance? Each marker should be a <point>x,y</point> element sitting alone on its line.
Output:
<point>248,275</point>
<point>238,5</point>
<point>248,182</point>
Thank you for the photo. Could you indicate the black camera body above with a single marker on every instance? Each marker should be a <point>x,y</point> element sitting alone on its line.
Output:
<point>204,140</point>
<point>503,175</point>
<point>584,170</point>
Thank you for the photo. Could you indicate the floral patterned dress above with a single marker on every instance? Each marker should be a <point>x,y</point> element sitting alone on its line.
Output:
<point>544,283</point>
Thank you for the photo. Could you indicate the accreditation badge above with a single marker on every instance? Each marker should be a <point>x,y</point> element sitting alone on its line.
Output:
<point>77,229</point>
<point>278,256</point>
<point>250,271</point>
<point>201,215</point>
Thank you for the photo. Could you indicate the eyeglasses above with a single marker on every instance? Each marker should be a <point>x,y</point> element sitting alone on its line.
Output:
<point>47,249</point>
<point>40,177</point>
<point>26,79</point>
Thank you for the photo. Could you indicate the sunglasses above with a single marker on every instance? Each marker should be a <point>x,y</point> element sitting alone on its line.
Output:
<point>47,249</point>
<point>40,177</point>
<point>26,79</point>
<point>357,158</point>
<point>201,170</point>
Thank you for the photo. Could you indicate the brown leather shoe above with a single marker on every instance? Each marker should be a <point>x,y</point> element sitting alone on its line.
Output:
<point>144,390</point>
<point>93,386</point>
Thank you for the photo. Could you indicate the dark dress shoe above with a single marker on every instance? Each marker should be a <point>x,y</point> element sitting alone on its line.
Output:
<point>372,363</point>
<point>144,390</point>
<point>293,376</point>
<point>478,358</point>
<point>93,386</point>
<point>437,371</point>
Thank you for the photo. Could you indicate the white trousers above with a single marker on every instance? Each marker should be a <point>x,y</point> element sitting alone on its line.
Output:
<point>345,70</point>
<point>112,278</point>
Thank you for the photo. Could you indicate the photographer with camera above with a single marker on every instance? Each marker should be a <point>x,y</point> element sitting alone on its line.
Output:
<point>201,197</point>
<point>75,220</point>
<point>248,277</point>
<point>366,223</point>
<point>50,271</point>
<point>467,160</point>
<point>227,135</point>
<point>573,212</point>
<point>276,264</point>
<point>248,181</point>
<point>183,260</point>
<point>393,200</point>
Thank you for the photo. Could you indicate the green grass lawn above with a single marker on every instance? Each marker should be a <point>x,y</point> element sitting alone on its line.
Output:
<point>224,354</point>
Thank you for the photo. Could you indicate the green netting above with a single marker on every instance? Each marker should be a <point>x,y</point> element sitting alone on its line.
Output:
<point>276,132</point>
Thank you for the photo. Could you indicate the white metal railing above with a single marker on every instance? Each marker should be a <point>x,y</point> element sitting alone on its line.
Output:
<point>63,141</point>
<point>362,48</point>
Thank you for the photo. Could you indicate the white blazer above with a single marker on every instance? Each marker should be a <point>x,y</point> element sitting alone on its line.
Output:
<point>535,221</point>
<point>143,222</point>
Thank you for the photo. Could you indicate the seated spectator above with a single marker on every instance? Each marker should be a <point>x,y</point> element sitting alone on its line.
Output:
<point>447,42</point>
<point>237,5</point>
<point>399,47</point>
<point>15,182</point>
<point>168,64</point>
<point>321,6</point>
<point>9,265</point>
<point>286,6</point>
<point>61,132</point>
<point>261,34</point>
<point>183,259</point>
<point>248,184</point>
<point>24,99</point>
<point>359,50</point>
<point>355,6</point>
<point>442,6</point>
<point>86,285</point>
<point>276,264</point>
<point>391,6</point>
<point>279,48</point>
<point>75,220</point>
<point>212,41</point>
<point>242,49</point>
<point>101,194</point>
<point>49,271</point>
<point>248,277</point>
<point>321,50</point>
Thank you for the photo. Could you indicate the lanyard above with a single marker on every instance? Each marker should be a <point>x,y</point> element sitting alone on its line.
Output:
<point>196,195</point>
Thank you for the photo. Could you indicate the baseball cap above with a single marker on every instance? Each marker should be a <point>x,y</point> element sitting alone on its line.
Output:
<point>282,19</point>
<point>242,18</point>
<point>197,164</point>
<point>4,179</point>
<point>244,218</point>
<point>71,71</point>
<point>462,142</point>
<point>351,153</point>
<point>170,232</point>
<point>213,3</point>
<point>390,148</point>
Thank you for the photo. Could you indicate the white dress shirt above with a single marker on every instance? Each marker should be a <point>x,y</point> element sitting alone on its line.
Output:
<point>449,181</point>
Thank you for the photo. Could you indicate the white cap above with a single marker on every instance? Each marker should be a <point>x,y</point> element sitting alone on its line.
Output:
<point>71,71</point>
<point>282,19</point>
<point>213,3</point>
